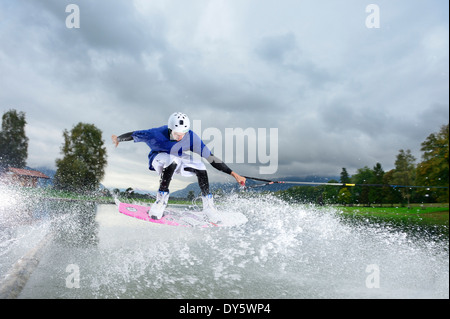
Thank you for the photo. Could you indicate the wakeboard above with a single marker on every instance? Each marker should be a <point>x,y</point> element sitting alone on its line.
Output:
<point>185,218</point>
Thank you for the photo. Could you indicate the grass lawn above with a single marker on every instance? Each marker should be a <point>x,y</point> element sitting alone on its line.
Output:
<point>426,214</point>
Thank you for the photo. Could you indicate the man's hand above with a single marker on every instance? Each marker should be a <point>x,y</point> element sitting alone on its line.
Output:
<point>241,180</point>
<point>115,140</point>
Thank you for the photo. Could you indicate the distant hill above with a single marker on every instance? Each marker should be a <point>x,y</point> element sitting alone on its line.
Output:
<point>233,186</point>
<point>224,187</point>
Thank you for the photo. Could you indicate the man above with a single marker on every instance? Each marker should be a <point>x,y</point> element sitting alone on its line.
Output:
<point>168,145</point>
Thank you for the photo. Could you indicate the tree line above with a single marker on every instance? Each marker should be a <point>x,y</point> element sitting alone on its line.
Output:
<point>389,187</point>
<point>83,161</point>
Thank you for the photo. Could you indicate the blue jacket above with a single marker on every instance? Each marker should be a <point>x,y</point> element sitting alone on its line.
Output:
<point>159,141</point>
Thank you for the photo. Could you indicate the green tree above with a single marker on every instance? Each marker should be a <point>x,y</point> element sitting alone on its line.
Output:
<point>13,140</point>
<point>391,195</point>
<point>433,170</point>
<point>83,165</point>
<point>345,178</point>
<point>330,194</point>
<point>301,194</point>
<point>376,192</point>
<point>361,193</point>
<point>345,197</point>
<point>404,173</point>
<point>191,195</point>
<point>129,192</point>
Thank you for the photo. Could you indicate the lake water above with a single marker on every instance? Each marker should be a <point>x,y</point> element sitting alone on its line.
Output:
<point>283,251</point>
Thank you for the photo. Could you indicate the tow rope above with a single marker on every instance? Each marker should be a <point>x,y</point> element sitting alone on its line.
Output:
<point>270,182</point>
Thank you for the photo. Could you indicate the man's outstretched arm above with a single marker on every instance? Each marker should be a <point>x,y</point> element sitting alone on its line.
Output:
<point>122,138</point>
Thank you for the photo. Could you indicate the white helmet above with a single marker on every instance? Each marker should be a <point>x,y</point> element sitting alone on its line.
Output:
<point>179,122</point>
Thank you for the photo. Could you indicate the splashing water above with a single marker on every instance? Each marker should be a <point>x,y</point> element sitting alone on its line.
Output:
<point>284,251</point>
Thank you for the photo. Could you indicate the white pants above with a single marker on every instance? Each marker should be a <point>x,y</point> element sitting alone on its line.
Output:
<point>162,160</point>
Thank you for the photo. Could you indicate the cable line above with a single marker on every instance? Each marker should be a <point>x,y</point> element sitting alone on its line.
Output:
<point>270,182</point>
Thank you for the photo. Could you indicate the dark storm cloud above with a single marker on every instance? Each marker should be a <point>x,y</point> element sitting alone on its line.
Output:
<point>283,51</point>
<point>340,95</point>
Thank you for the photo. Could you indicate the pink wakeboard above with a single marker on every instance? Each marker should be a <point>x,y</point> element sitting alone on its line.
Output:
<point>171,218</point>
<point>184,218</point>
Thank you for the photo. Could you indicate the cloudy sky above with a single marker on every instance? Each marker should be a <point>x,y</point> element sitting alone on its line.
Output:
<point>339,93</point>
